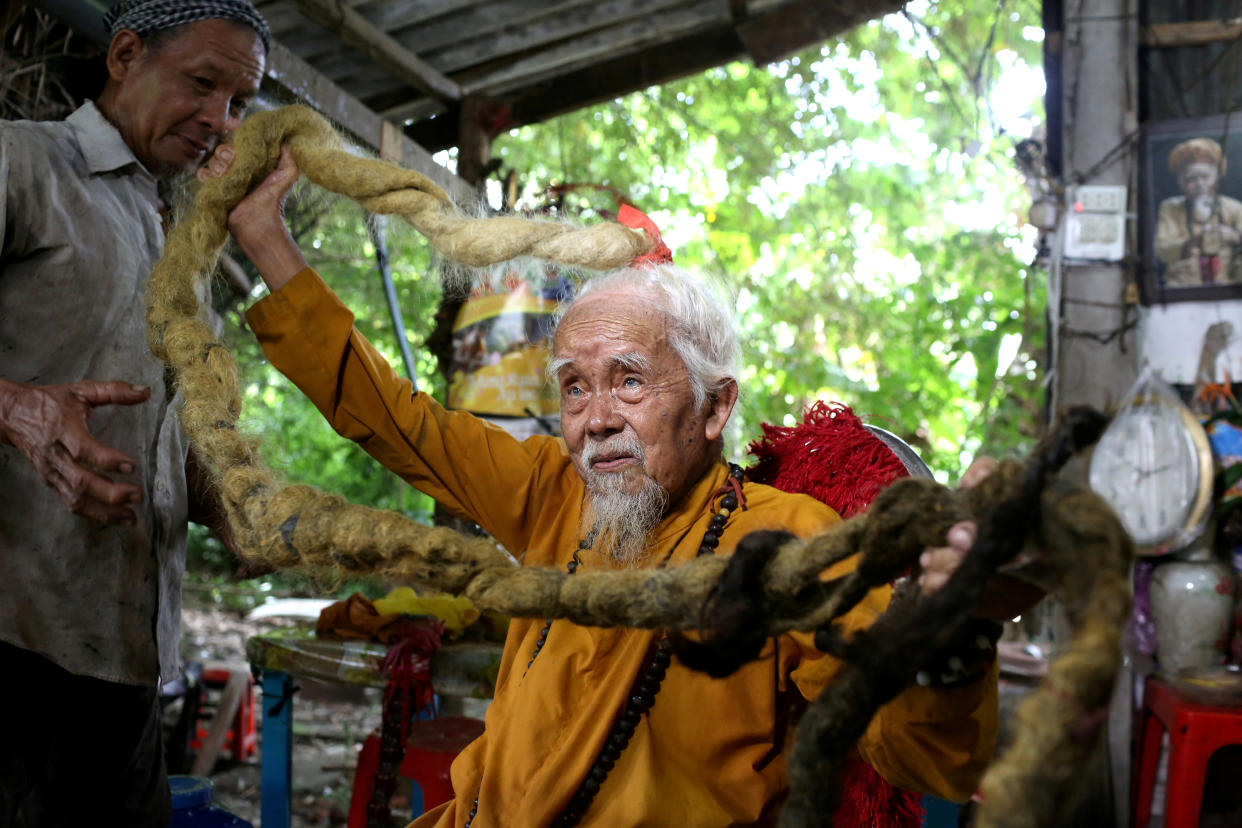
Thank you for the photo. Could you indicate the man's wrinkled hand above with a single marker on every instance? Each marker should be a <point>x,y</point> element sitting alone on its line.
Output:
<point>1004,596</point>
<point>264,205</point>
<point>47,423</point>
<point>257,222</point>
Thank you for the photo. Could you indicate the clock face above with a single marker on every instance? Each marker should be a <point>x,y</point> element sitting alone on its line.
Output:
<point>1147,466</point>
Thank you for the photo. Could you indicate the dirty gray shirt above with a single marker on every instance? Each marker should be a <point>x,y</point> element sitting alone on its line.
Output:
<point>81,231</point>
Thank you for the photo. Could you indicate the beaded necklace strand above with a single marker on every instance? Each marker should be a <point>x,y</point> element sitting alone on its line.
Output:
<point>647,685</point>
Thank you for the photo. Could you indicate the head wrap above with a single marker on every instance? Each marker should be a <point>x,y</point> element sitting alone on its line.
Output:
<point>144,17</point>
<point>1196,150</point>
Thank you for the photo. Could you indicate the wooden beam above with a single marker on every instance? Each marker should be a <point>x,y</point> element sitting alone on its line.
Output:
<point>581,53</point>
<point>474,141</point>
<point>779,33</point>
<point>379,90</point>
<point>478,21</point>
<point>380,47</point>
<point>423,37</point>
<point>84,16</point>
<point>417,110</point>
<point>605,81</point>
<point>389,15</point>
<point>1193,33</point>
<point>291,77</point>
<point>282,17</point>
<point>561,28</point>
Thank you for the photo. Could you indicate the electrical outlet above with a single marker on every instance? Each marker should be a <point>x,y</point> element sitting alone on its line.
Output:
<point>1099,199</point>
<point>1095,227</point>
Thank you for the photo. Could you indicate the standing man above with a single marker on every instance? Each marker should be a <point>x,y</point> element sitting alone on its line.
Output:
<point>92,458</point>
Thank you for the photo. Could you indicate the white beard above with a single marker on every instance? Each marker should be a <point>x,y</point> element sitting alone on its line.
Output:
<point>621,520</point>
<point>1201,208</point>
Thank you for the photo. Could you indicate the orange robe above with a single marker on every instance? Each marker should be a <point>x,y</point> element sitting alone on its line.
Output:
<point>711,752</point>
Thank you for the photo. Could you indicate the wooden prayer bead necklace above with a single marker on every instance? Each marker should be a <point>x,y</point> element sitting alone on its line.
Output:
<point>647,685</point>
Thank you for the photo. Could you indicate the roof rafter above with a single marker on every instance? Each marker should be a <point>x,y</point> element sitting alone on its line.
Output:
<point>380,47</point>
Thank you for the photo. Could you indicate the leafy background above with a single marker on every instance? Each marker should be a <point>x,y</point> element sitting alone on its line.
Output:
<point>860,199</point>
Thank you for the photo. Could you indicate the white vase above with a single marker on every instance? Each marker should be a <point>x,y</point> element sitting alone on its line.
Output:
<point>1192,606</point>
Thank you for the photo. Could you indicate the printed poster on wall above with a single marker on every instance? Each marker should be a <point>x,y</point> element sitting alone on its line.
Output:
<point>501,344</point>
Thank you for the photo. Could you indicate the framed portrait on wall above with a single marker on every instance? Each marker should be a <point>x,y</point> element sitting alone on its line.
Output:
<point>1191,200</point>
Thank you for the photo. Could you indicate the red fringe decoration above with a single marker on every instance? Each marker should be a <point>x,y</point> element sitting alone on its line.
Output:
<point>834,459</point>
<point>408,668</point>
<point>869,801</point>
<point>829,456</point>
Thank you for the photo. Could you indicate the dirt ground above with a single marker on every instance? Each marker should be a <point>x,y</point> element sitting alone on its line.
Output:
<point>330,723</point>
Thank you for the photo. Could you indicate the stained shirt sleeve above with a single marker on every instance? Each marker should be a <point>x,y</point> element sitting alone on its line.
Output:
<point>6,152</point>
<point>20,208</point>
<point>476,470</point>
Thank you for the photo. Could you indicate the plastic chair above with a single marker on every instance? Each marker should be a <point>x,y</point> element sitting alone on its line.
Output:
<point>432,746</point>
<point>241,740</point>
<point>1195,731</point>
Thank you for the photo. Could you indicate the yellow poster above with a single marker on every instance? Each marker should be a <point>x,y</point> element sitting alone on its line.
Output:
<point>501,347</point>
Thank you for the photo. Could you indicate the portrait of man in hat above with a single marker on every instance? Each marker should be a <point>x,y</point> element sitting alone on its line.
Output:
<point>1198,233</point>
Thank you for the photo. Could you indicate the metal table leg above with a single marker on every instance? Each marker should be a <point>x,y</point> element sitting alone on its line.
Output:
<point>277,757</point>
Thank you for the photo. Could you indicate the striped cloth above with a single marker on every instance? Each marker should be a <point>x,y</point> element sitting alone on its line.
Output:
<point>146,16</point>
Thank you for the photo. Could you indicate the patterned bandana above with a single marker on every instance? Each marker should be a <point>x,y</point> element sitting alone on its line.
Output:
<point>144,17</point>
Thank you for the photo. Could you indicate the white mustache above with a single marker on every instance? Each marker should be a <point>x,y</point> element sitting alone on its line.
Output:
<point>621,445</point>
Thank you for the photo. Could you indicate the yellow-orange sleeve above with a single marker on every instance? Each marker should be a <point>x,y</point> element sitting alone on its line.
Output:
<point>475,469</point>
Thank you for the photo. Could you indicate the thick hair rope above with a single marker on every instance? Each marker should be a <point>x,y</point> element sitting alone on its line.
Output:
<point>768,587</point>
<point>289,526</point>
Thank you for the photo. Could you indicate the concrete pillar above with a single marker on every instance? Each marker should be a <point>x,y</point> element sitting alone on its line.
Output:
<point>1093,310</point>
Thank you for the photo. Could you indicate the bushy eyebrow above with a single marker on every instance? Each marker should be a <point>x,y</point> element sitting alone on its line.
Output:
<point>555,364</point>
<point>632,361</point>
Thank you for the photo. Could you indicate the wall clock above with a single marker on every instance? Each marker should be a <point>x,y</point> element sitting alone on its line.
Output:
<point>1153,465</point>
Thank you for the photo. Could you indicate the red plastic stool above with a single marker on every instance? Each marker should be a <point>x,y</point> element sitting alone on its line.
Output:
<point>1195,731</point>
<point>241,740</point>
<point>431,749</point>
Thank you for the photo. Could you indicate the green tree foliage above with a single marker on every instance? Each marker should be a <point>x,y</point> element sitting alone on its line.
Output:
<point>860,199</point>
<point>296,440</point>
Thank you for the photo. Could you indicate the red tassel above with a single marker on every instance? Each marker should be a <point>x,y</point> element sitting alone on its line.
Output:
<point>869,801</point>
<point>834,459</point>
<point>829,456</point>
<point>408,668</point>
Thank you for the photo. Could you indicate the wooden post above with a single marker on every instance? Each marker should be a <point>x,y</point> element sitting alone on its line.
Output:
<point>474,148</point>
<point>1096,361</point>
<point>1092,307</point>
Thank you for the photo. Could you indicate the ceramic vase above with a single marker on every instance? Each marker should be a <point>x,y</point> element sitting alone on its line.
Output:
<point>1192,605</point>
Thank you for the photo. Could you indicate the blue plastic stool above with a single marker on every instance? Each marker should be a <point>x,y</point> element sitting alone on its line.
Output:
<point>192,808</point>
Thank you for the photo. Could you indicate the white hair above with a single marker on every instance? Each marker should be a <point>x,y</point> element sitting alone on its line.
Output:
<point>702,330</point>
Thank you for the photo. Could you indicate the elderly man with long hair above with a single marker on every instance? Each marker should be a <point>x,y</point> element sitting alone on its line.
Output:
<point>601,726</point>
<point>1198,232</point>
